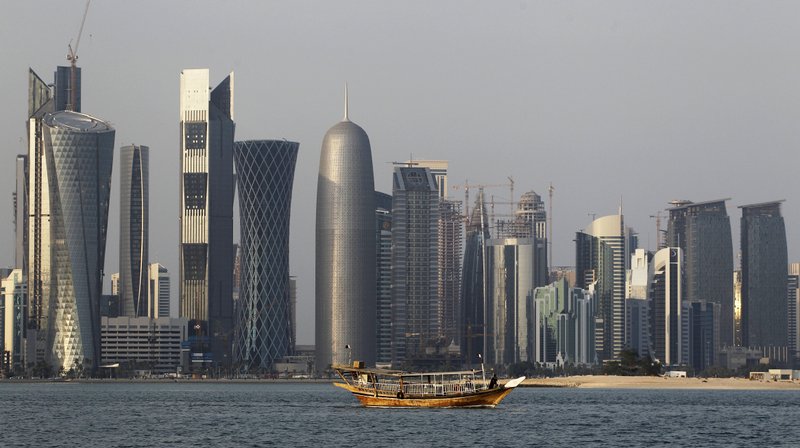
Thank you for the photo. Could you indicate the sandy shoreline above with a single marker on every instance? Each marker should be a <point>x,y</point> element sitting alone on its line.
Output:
<point>644,382</point>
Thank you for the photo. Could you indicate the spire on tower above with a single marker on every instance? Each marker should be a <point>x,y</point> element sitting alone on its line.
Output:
<point>346,104</point>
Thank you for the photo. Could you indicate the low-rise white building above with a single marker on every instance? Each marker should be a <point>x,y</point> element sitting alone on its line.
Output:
<point>141,341</point>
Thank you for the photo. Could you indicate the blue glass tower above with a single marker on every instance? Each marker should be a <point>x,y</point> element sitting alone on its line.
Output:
<point>264,176</point>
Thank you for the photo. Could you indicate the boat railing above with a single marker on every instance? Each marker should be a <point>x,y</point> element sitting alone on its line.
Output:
<point>424,389</point>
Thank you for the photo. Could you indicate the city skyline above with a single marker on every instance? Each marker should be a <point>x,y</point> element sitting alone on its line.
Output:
<point>682,115</point>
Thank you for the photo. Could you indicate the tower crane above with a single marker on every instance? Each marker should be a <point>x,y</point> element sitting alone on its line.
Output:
<point>72,57</point>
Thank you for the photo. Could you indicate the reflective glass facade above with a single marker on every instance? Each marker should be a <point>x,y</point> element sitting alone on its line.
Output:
<point>703,232</point>
<point>133,230</point>
<point>264,176</point>
<point>79,153</point>
<point>474,295</point>
<point>206,219</point>
<point>764,279</point>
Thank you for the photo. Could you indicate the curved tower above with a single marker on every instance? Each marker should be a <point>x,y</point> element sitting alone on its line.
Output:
<point>345,248</point>
<point>79,150</point>
<point>133,231</point>
<point>264,177</point>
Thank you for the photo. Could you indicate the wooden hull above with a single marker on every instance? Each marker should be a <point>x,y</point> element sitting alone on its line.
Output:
<point>484,399</point>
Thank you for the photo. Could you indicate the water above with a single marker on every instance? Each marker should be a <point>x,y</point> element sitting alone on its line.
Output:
<point>258,415</point>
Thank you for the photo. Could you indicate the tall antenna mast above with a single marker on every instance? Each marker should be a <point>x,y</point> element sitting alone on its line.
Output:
<point>72,57</point>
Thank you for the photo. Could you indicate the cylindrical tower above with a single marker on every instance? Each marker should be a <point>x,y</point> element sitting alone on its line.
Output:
<point>133,231</point>
<point>265,172</point>
<point>79,150</point>
<point>345,248</point>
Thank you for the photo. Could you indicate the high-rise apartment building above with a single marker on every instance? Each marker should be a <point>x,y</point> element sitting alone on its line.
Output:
<point>134,230</point>
<point>474,293</point>
<point>158,294</point>
<point>564,325</point>
<point>530,221</point>
<point>264,176</point>
<point>206,216</point>
<point>703,232</point>
<point>415,275</point>
<point>79,150</point>
<point>601,259</point>
<point>383,277</point>
<point>345,248</point>
<point>764,262</point>
<point>438,169</point>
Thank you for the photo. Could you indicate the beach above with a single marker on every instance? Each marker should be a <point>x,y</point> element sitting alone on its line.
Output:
<point>654,382</point>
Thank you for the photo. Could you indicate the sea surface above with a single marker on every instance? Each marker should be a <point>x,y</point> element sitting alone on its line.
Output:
<point>210,414</point>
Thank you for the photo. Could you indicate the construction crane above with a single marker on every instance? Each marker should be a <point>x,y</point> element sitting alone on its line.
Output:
<point>467,186</point>
<point>72,57</point>
<point>659,232</point>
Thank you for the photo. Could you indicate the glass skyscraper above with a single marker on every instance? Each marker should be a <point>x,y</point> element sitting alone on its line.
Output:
<point>133,230</point>
<point>79,152</point>
<point>764,280</point>
<point>264,177</point>
<point>206,217</point>
<point>383,276</point>
<point>474,294</point>
<point>703,232</point>
<point>345,248</point>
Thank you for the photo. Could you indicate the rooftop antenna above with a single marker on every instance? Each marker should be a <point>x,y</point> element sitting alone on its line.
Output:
<point>72,57</point>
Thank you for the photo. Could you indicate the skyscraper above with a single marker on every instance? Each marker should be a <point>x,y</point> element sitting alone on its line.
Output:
<point>158,294</point>
<point>510,316</point>
<point>21,212</point>
<point>793,306</point>
<point>63,94</point>
<point>665,311</point>
<point>601,257</point>
<point>345,248</point>
<point>563,324</point>
<point>450,229</point>
<point>415,267</point>
<point>38,267</point>
<point>206,218</point>
<point>764,281</point>
<point>133,230</point>
<point>474,293</point>
<point>79,150</point>
<point>703,232</point>
<point>264,176</point>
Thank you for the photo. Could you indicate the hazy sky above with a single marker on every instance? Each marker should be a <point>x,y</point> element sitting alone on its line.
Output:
<point>644,101</point>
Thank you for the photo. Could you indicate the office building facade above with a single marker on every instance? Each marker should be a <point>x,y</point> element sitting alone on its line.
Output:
<point>793,307</point>
<point>264,176</point>
<point>415,266</point>
<point>474,293</point>
<point>764,281</point>
<point>143,343</point>
<point>703,232</point>
<point>12,321</point>
<point>134,230</point>
<point>79,152</point>
<point>206,216</point>
<point>38,268</point>
<point>345,248</point>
